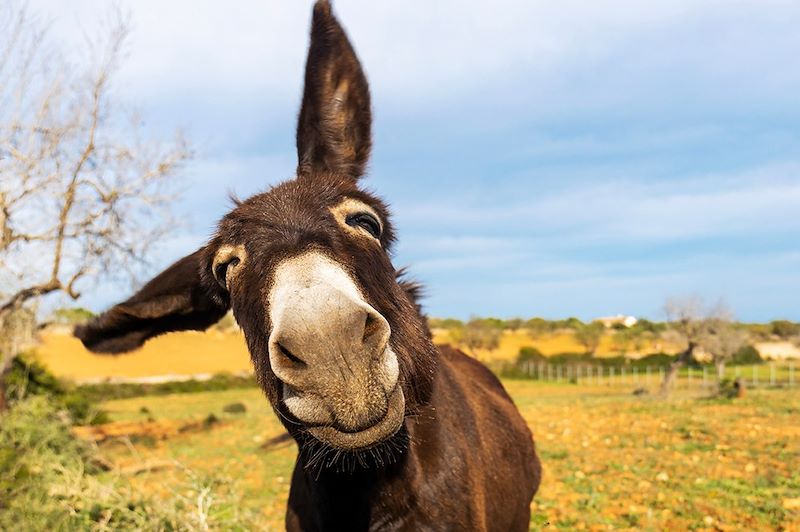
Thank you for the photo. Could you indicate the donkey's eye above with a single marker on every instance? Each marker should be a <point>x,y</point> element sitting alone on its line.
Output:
<point>365,221</point>
<point>221,271</point>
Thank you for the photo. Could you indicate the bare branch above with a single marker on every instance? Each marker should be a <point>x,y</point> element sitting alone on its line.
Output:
<point>79,188</point>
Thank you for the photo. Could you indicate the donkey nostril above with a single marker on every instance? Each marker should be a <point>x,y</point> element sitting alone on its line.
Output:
<point>372,326</point>
<point>288,354</point>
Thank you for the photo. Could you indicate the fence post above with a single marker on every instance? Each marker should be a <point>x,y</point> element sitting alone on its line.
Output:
<point>705,377</point>
<point>647,371</point>
<point>560,371</point>
<point>772,374</point>
<point>689,381</point>
<point>661,374</point>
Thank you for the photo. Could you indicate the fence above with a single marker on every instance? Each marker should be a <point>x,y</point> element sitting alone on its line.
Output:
<point>772,374</point>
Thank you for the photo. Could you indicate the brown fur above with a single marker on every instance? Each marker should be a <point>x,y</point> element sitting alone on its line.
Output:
<point>464,459</point>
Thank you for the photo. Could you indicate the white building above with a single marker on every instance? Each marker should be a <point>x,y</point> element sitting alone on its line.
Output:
<point>619,319</point>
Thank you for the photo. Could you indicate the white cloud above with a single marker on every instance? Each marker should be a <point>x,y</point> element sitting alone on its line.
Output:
<point>645,82</point>
<point>422,53</point>
<point>753,201</point>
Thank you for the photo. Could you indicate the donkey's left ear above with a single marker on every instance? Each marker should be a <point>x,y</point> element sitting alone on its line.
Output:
<point>182,297</point>
<point>333,131</point>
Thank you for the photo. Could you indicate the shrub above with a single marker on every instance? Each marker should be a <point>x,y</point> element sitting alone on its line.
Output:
<point>530,354</point>
<point>784,329</point>
<point>538,326</point>
<point>571,358</point>
<point>235,408</point>
<point>27,377</point>
<point>49,480</point>
<point>72,316</point>
<point>219,382</point>
<point>589,336</point>
<point>654,359</point>
<point>745,356</point>
<point>445,323</point>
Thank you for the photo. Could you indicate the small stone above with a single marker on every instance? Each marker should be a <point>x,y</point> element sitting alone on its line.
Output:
<point>662,477</point>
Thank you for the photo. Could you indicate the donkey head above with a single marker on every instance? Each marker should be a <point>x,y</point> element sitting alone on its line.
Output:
<point>338,343</point>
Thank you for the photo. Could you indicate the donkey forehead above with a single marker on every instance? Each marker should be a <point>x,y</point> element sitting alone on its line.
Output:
<point>301,206</point>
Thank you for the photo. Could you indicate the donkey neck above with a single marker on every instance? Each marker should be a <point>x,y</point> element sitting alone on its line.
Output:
<point>365,498</point>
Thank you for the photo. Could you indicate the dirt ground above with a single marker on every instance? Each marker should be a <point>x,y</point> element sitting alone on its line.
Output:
<point>612,461</point>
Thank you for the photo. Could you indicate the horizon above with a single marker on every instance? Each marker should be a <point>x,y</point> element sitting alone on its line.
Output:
<point>541,160</point>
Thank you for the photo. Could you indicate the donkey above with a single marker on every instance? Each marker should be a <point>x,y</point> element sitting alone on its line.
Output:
<point>393,432</point>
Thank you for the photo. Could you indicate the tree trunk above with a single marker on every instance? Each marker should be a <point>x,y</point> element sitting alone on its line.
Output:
<point>720,372</point>
<point>672,373</point>
<point>3,402</point>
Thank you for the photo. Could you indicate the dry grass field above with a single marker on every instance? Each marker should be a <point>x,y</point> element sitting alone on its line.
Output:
<point>612,461</point>
<point>548,344</point>
<point>186,353</point>
<point>192,353</point>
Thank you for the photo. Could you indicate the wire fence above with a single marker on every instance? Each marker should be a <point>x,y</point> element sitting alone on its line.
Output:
<point>771,374</point>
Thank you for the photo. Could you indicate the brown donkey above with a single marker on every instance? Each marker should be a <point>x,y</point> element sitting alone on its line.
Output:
<point>393,432</point>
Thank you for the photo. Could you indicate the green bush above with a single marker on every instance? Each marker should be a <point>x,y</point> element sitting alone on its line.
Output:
<point>784,329</point>
<point>72,316</point>
<point>530,354</point>
<point>219,382</point>
<point>27,377</point>
<point>50,480</point>
<point>445,323</point>
<point>654,359</point>
<point>747,355</point>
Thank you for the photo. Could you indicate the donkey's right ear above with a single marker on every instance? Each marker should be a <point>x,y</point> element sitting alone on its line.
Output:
<point>182,297</point>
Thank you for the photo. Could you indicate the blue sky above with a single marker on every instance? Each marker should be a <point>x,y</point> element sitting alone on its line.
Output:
<point>542,158</point>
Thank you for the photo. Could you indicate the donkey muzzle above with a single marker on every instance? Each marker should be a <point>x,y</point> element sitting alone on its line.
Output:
<point>331,351</point>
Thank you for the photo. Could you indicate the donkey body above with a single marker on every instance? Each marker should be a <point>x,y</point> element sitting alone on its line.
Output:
<point>393,432</point>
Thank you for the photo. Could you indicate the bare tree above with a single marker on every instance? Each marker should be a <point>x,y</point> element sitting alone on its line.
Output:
<point>692,325</point>
<point>80,189</point>
<point>685,317</point>
<point>722,340</point>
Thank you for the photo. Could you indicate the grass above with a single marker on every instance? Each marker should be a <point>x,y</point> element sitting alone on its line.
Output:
<point>610,459</point>
<point>50,480</point>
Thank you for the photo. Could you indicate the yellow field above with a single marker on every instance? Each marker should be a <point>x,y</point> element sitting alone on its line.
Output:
<point>192,353</point>
<point>547,344</point>
<point>187,353</point>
